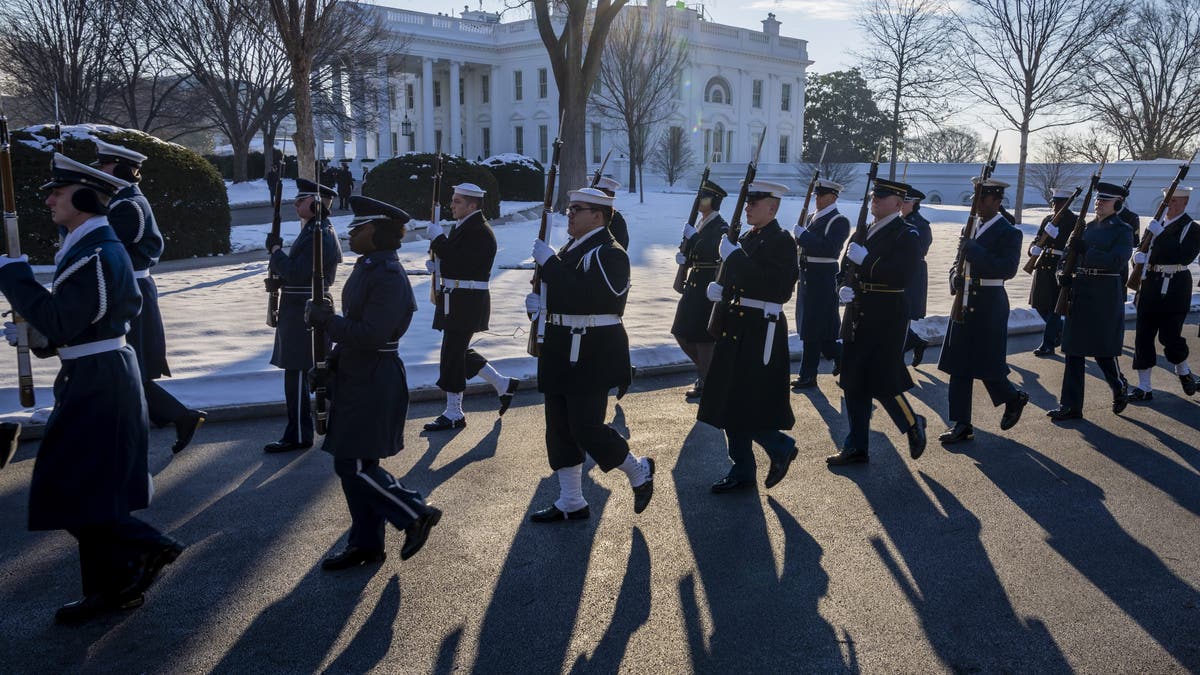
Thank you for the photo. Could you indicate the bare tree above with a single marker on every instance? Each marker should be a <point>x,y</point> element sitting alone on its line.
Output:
<point>831,170</point>
<point>1148,90</point>
<point>907,63</point>
<point>1054,165</point>
<point>673,156</point>
<point>1028,60</point>
<point>1091,147</point>
<point>947,145</point>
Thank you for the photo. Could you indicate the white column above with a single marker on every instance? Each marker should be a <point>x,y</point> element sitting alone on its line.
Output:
<point>426,121</point>
<point>339,139</point>
<point>456,146</point>
<point>385,111</point>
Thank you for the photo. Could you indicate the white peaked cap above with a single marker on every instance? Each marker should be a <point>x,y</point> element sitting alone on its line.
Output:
<point>118,152</point>
<point>1061,193</point>
<point>606,183</point>
<point>830,185</point>
<point>776,189</point>
<point>1181,191</point>
<point>66,171</point>
<point>469,190</point>
<point>590,196</point>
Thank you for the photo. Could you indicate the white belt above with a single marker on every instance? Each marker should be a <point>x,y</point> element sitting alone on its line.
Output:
<point>451,284</point>
<point>579,323</point>
<point>91,348</point>
<point>1168,269</point>
<point>391,347</point>
<point>987,282</point>
<point>141,274</point>
<point>1058,252</point>
<point>771,312</point>
<point>822,260</point>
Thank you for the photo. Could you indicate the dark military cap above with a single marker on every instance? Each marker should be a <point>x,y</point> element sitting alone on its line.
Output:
<point>66,171</point>
<point>991,186</point>
<point>307,188</point>
<point>384,215</point>
<point>889,188</point>
<point>914,195</point>
<point>1110,191</point>
<point>711,188</point>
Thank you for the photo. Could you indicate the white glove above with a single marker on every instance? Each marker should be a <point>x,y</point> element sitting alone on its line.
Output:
<point>434,230</point>
<point>1139,258</point>
<point>714,291</point>
<point>845,294</point>
<point>542,251</point>
<point>680,258</point>
<point>798,229</point>
<point>856,252</point>
<point>533,303</point>
<point>430,266</point>
<point>1035,250</point>
<point>1155,228</point>
<point>689,231</point>
<point>727,247</point>
<point>5,260</point>
<point>36,339</point>
<point>1051,231</point>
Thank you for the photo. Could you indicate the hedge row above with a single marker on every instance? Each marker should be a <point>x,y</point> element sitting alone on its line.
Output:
<point>521,179</point>
<point>407,182</point>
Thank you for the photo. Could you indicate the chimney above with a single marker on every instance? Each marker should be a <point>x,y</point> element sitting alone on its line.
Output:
<point>770,25</point>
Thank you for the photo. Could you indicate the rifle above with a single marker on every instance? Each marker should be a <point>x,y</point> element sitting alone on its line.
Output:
<point>273,280</point>
<point>600,170</point>
<point>320,357</point>
<point>961,268</point>
<point>812,186</point>
<point>1045,241</point>
<point>435,216</point>
<point>716,319</point>
<point>1129,181</point>
<point>1071,259</point>
<point>13,236</point>
<point>682,272</point>
<point>849,268</point>
<point>1139,269</point>
<point>537,329</point>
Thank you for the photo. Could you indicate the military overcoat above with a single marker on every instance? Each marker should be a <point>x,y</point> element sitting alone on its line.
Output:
<point>466,253</point>
<point>1095,325</point>
<point>293,339</point>
<point>816,294</point>
<point>694,308</point>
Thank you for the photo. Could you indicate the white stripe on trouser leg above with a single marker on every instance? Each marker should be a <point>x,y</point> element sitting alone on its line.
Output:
<point>382,490</point>
<point>300,400</point>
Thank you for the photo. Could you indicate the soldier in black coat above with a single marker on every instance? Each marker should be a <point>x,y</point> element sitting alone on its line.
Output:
<point>879,263</point>
<point>819,242</point>
<point>1043,294</point>
<point>698,253</point>
<point>1095,325</point>
<point>463,259</point>
<point>977,348</point>
<point>917,291</point>
<point>616,225</point>
<point>1166,295</point>
<point>293,340</point>
<point>91,468</point>
<point>585,353</point>
<point>747,390</point>
<point>369,389</point>
<point>345,187</point>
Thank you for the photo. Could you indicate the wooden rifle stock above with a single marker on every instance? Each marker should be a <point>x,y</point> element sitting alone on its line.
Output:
<point>537,327</point>
<point>1138,274</point>
<point>1071,260</point>
<point>849,267</point>
<point>1045,241</point>
<point>273,280</point>
<point>716,319</point>
<point>959,271</point>
<point>320,356</point>
<point>682,272</point>
<point>435,216</point>
<point>13,237</point>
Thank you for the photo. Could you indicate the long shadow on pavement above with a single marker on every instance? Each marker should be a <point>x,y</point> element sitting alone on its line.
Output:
<point>424,478</point>
<point>1145,463</point>
<point>632,610</point>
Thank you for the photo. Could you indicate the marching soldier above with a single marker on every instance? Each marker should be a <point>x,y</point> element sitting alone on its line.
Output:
<point>747,389</point>
<point>1166,295</point>
<point>618,227</point>
<point>585,353</point>
<point>130,216</point>
<point>1096,324</point>
<point>90,471</point>
<point>701,256</point>
<point>820,242</point>
<point>464,304</point>
<point>1043,294</point>
<point>370,390</point>
<point>917,291</point>
<point>977,348</point>
<point>293,341</point>
<point>874,325</point>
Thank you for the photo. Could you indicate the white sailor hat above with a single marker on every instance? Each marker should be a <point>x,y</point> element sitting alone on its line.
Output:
<point>828,186</point>
<point>606,183</point>
<point>591,196</point>
<point>1180,191</point>
<point>469,190</point>
<point>1061,193</point>
<point>66,171</point>
<point>107,152</point>
<point>761,189</point>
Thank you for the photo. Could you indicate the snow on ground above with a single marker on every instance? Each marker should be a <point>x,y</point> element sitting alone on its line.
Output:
<point>256,192</point>
<point>219,345</point>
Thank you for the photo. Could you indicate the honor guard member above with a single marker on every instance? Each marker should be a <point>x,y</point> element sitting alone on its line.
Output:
<point>874,325</point>
<point>618,227</point>
<point>464,304</point>
<point>1166,295</point>
<point>585,353</point>
<point>293,340</point>
<point>369,388</point>
<point>747,390</point>
<point>1096,324</point>
<point>820,242</point>
<point>917,291</point>
<point>90,471</point>
<point>977,348</point>
<point>130,216</point>
<point>702,259</point>
<point>1043,294</point>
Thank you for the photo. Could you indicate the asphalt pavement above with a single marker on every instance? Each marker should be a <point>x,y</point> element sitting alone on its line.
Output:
<point>1048,548</point>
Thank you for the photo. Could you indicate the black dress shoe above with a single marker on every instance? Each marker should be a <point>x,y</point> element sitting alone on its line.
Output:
<point>352,557</point>
<point>625,387</point>
<point>779,469</point>
<point>919,352</point>
<point>416,534</point>
<point>848,455</point>
<point>442,423</point>
<point>961,431</point>
<point>916,438</point>
<point>803,383</point>
<point>643,492</point>
<point>1139,394</point>
<point>1044,351</point>
<point>286,446</point>
<point>1190,383</point>
<point>91,606</point>
<point>837,365</point>
<point>185,428</point>
<point>697,389</point>
<point>506,398</point>
<point>1120,401</point>
<point>1062,413</point>
<point>551,514</point>
<point>730,484</point>
<point>162,553</point>
<point>1012,411</point>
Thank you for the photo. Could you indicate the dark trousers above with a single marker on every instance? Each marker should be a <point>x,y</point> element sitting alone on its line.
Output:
<point>1168,328</point>
<point>375,498</point>
<point>777,445</point>
<point>961,389</point>
<point>810,358</point>
<point>299,413</point>
<point>575,426</point>
<point>1052,335</point>
<point>458,362</point>
<point>1072,386</point>
<point>911,340</point>
<point>858,410</point>
<point>109,553</point>
<point>164,408</point>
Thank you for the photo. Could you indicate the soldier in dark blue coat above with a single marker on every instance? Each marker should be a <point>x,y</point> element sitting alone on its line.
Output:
<point>977,348</point>
<point>584,354</point>
<point>819,242</point>
<point>293,340</point>
<point>369,389</point>
<point>464,258</point>
<point>1043,293</point>
<point>699,254</point>
<point>1166,295</point>
<point>1095,326</point>
<point>917,291</point>
<point>747,392</point>
<point>90,471</point>
<point>131,217</point>
<point>617,225</point>
<point>879,263</point>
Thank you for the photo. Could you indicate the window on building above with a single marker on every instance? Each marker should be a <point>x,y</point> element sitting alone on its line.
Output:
<point>543,143</point>
<point>409,97</point>
<point>462,92</point>
<point>707,145</point>
<point>485,92</point>
<point>783,149</point>
<point>519,140</point>
<point>437,94</point>
<point>785,97</point>
<point>487,142</point>
<point>717,91</point>
<point>595,143</point>
<point>718,134</point>
<point>395,143</point>
<point>437,139</point>
<point>756,94</point>
<point>517,93</point>
<point>542,83</point>
<point>392,97</point>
